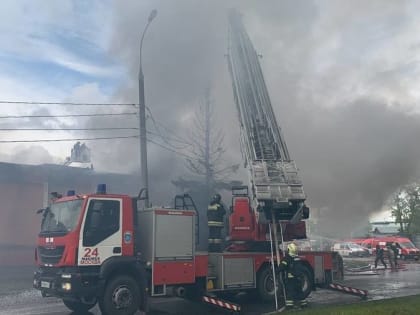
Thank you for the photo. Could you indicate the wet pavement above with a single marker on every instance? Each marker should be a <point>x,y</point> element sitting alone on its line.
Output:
<point>385,284</point>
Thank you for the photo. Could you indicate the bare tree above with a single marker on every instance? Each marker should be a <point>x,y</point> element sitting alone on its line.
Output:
<point>207,150</point>
<point>208,169</point>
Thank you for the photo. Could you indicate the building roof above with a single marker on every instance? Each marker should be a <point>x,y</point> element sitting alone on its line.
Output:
<point>69,177</point>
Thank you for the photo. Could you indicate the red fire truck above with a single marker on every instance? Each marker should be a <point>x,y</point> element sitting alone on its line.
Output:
<point>101,248</point>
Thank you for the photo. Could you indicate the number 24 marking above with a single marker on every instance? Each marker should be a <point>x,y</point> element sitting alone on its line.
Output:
<point>89,252</point>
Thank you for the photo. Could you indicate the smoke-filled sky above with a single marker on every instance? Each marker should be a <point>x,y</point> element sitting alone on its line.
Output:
<point>343,78</point>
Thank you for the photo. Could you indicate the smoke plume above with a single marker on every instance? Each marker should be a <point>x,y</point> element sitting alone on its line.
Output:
<point>342,79</point>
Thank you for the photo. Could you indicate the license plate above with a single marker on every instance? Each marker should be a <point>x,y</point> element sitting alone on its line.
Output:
<point>45,284</point>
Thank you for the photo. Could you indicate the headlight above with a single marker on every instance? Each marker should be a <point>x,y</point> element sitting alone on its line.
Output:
<point>66,286</point>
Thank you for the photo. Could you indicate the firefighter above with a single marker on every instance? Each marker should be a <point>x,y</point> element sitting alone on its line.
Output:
<point>215,218</point>
<point>391,256</point>
<point>379,256</point>
<point>396,248</point>
<point>291,273</point>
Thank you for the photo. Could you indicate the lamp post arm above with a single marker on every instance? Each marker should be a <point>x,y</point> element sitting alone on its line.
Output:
<point>144,181</point>
<point>141,45</point>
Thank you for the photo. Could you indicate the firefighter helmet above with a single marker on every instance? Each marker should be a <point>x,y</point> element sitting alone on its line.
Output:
<point>217,198</point>
<point>292,249</point>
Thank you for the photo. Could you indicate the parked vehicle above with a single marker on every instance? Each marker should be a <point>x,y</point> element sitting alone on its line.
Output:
<point>407,249</point>
<point>348,249</point>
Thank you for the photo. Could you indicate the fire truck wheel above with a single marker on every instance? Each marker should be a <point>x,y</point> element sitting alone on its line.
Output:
<point>121,297</point>
<point>78,306</point>
<point>306,279</point>
<point>265,285</point>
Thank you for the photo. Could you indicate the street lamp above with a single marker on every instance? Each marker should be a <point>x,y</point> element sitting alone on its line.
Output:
<point>142,121</point>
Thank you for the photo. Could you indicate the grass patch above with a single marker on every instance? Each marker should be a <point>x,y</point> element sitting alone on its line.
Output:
<point>399,306</point>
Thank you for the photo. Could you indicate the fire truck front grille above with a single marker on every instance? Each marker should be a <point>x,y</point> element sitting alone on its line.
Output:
<point>50,255</point>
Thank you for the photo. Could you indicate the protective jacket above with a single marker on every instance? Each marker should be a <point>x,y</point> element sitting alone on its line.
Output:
<point>215,214</point>
<point>293,286</point>
<point>288,265</point>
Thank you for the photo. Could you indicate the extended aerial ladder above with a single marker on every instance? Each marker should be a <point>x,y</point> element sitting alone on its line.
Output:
<point>277,196</point>
<point>277,199</point>
<point>276,188</point>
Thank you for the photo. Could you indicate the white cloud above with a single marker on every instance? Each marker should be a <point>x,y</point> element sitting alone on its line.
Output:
<point>13,90</point>
<point>36,36</point>
<point>49,32</point>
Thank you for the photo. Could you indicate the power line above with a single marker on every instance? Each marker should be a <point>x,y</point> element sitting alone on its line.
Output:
<point>63,140</point>
<point>65,129</point>
<point>171,150</point>
<point>98,138</point>
<point>166,138</point>
<point>67,103</point>
<point>83,129</point>
<point>62,116</point>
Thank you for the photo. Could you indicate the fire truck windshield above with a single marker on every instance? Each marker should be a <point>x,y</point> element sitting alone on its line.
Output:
<point>61,218</point>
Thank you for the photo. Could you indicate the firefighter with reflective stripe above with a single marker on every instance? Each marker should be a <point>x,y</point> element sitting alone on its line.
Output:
<point>291,274</point>
<point>215,217</point>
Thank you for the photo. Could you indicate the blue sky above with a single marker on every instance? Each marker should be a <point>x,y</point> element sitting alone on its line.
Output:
<point>56,45</point>
<point>55,51</point>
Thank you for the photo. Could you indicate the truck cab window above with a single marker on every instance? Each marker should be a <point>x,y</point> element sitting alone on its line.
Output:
<point>102,220</point>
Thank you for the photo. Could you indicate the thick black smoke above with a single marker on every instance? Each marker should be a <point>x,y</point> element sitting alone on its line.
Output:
<point>342,80</point>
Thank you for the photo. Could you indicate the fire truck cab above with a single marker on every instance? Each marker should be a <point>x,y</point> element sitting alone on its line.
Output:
<point>86,253</point>
<point>99,248</point>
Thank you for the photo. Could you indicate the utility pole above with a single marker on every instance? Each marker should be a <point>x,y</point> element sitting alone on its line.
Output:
<point>144,181</point>
<point>207,164</point>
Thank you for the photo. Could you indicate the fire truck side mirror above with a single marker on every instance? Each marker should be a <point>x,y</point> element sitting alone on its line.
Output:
<point>305,212</point>
<point>142,194</point>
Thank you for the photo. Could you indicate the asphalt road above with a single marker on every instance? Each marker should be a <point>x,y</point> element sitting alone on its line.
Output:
<point>386,284</point>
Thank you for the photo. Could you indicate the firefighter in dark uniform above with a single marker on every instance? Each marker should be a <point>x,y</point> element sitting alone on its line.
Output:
<point>293,287</point>
<point>215,214</point>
